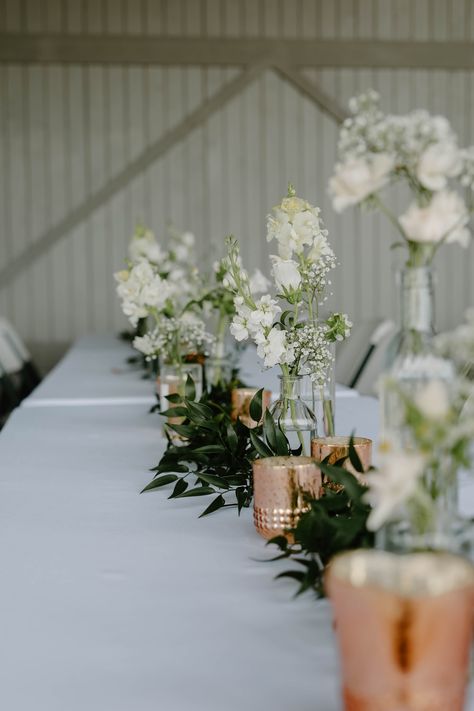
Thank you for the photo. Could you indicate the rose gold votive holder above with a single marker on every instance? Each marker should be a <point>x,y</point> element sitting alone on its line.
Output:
<point>280,485</point>
<point>404,625</point>
<point>241,399</point>
<point>338,447</point>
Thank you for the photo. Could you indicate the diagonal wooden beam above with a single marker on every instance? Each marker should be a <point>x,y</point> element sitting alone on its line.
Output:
<point>134,168</point>
<point>181,51</point>
<point>152,153</point>
<point>320,97</point>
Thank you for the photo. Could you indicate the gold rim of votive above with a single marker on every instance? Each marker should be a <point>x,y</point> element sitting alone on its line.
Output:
<point>284,462</point>
<point>423,574</point>
<point>341,441</point>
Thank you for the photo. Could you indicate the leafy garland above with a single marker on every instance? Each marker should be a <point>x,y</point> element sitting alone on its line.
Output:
<point>217,454</point>
<point>335,522</point>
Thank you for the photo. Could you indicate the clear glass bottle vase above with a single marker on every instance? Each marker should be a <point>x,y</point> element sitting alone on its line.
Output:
<point>321,398</point>
<point>433,527</point>
<point>412,360</point>
<point>293,416</point>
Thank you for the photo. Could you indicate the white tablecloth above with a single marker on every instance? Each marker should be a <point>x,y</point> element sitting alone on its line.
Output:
<point>112,601</point>
<point>95,372</point>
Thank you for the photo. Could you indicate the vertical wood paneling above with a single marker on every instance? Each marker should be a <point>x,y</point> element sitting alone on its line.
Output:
<point>66,130</point>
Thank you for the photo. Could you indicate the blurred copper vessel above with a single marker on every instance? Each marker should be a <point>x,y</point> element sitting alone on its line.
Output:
<point>338,447</point>
<point>241,399</point>
<point>280,485</point>
<point>404,626</point>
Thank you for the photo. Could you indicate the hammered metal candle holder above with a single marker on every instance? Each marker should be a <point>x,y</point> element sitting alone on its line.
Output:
<point>338,447</point>
<point>280,485</point>
<point>241,399</point>
<point>404,625</point>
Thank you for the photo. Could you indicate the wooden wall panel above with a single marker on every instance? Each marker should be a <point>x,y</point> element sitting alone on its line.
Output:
<point>65,131</point>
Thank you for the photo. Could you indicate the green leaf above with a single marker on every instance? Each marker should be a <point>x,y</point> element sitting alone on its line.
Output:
<point>213,480</point>
<point>197,411</point>
<point>175,398</point>
<point>198,491</point>
<point>294,574</point>
<point>259,445</point>
<point>215,504</point>
<point>160,481</point>
<point>280,541</point>
<point>232,438</point>
<point>269,431</point>
<point>210,449</point>
<point>175,412</point>
<point>165,467</point>
<point>190,389</point>
<point>255,408</point>
<point>181,485</point>
<point>342,476</point>
<point>184,430</point>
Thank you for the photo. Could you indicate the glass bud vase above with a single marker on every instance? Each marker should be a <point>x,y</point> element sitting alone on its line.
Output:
<point>436,527</point>
<point>218,372</point>
<point>412,360</point>
<point>293,416</point>
<point>173,377</point>
<point>321,398</point>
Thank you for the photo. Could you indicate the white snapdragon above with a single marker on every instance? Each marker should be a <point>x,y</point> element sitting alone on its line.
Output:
<point>285,273</point>
<point>437,163</point>
<point>357,178</point>
<point>444,218</point>
<point>393,485</point>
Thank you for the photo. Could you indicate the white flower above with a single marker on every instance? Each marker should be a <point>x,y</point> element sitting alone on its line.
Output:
<point>134,312</point>
<point>146,344</point>
<point>258,282</point>
<point>264,315</point>
<point>392,486</point>
<point>293,230</point>
<point>437,163</point>
<point>445,217</point>
<point>433,400</point>
<point>358,178</point>
<point>122,276</point>
<point>145,247</point>
<point>319,249</point>
<point>188,239</point>
<point>286,273</point>
<point>239,328</point>
<point>273,348</point>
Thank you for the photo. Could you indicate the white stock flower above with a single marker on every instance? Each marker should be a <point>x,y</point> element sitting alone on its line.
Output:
<point>285,273</point>
<point>258,282</point>
<point>264,315</point>
<point>433,400</point>
<point>437,163</point>
<point>134,312</point>
<point>319,249</point>
<point>239,328</point>
<point>392,486</point>
<point>293,230</point>
<point>145,247</point>
<point>273,349</point>
<point>358,178</point>
<point>446,217</point>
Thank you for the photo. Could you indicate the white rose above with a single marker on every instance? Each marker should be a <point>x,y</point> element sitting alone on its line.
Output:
<point>445,217</point>
<point>358,178</point>
<point>273,349</point>
<point>286,273</point>
<point>437,163</point>
<point>433,400</point>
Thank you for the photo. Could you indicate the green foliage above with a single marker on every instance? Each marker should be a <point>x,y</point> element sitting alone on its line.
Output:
<point>216,454</point>
<point>335,522</point>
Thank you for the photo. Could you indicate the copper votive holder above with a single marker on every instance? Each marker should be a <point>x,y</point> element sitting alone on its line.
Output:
<point>280,485</point>
<point>241,399</point>
<point>404,625</point>
<point>338,447</point>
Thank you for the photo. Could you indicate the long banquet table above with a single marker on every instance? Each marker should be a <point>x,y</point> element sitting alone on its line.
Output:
<point>111,601</point>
